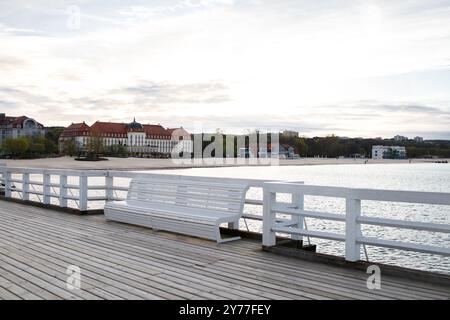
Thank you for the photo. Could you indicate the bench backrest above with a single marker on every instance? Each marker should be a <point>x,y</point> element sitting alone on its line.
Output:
<point>186,192</point>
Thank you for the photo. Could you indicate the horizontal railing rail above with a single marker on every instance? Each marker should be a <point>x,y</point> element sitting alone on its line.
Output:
<point>67,188</point>
<point>65,191</point>
<point>353,219</point>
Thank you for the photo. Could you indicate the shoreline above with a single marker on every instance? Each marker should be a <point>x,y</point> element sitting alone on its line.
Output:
<point>132,164</point>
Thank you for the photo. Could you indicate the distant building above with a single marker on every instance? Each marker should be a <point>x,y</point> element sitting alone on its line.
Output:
<point>399,138</point>
<point>15,127</point>
<point>287,150</point>
<point>139,139</point>
<point>418,139</point>
<point>388,152</point>
<point>290,133</point>
<point>272,150</point>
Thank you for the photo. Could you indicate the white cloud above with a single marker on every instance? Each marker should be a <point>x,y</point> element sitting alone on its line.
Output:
<point>286,58</point>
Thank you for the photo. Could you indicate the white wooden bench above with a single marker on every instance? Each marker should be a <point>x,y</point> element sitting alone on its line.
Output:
<point>182,205</point>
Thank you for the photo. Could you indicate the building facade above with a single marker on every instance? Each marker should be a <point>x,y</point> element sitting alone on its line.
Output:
<point>141,140</point>
<point>290,133</point>
<point>388,152</point>
<point>399,138</point>
<point>15,127</point>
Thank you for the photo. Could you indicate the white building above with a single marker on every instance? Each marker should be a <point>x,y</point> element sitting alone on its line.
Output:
<point>399,138</point>
<point>139,139</point>
<point>418,139</point>
<point>388,152</point>
<point>15,127</point>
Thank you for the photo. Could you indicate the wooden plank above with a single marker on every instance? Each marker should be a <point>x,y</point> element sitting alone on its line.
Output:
<point>46,241</point>
<point>128,262</point>
<point>175,270</point>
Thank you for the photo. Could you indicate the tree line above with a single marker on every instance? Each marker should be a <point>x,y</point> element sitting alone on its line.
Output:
<point>331,146</point>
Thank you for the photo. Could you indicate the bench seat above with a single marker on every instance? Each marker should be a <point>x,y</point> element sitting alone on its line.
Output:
<point>187,207</point>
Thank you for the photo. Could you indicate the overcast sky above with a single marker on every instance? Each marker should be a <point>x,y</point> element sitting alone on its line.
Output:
<point>351,68</point>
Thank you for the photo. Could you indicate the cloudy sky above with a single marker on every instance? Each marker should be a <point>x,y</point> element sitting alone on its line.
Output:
<point>352,68</point>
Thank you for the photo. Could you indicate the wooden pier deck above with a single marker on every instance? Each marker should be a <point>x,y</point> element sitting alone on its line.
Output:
<point>126,262</point>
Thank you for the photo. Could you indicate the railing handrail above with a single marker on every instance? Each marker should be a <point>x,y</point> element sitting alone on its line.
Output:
<point>66,172</point>
<point>271,223</point>
<point>423,197</point>
<point>352,218</point>
<point>257,183</point>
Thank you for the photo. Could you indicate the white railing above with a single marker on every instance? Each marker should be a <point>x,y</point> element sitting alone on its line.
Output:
<point>27,182</point>
<point>353,219</point>
<point>59,187</point>
<point>75,186</point>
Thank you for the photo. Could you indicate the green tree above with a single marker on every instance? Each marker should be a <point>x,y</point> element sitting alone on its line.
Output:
<point>116,150</point>
<point>302,147</point>
<point>94,146</point>
<point>70,147</point>
<point>53,133</point>
<point>16,147</point>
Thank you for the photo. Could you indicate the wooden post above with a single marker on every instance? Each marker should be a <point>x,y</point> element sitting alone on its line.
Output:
<point>298,200</point>
<point>46,188</point>
<point>109,184</point>
<point>63,191</point>
<point>26,186</point>
<point>83,193</point>
<point>352,229</point>
<point>269,236</point>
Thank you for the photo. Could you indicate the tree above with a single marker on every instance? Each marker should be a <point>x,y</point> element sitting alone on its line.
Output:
<point>70,147</point>
<point>95,147</point>
<point>15,147</point>
<point>53,134</point>
<point>302,147</point>
<point>116,150</point>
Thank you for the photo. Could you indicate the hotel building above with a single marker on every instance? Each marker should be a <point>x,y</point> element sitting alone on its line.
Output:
<point>388,152</point>
<point>15,127</point>
<point>142,140</point>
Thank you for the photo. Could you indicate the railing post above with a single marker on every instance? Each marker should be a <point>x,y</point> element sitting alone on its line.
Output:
<point>46,187</point>
<point>26,186</point>
<point>109,184</point>
<point>7,182</point>
<point>352,229</point>
<point>298,201</point>
<point>63,191</point>
<point>83,192</point>
<point>269,219</point>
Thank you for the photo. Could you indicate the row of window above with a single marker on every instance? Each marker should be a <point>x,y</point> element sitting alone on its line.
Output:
<point>121,135</point>
<point>136,141</point>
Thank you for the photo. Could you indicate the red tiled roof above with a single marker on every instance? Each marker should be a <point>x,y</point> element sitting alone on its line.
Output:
<point>16,121</point>
<point>155,130</point>
<point>109,127</point>
<point>75,129</point>
<point>78,126</point>
<point>114,128</point>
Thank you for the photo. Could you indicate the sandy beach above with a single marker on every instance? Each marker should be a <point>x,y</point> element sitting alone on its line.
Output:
<point>149,164</point>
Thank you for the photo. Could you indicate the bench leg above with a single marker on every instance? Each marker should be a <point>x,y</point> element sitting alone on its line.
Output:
<point>228,239</point>
<point>233,225</point>
<point>219,237</point>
